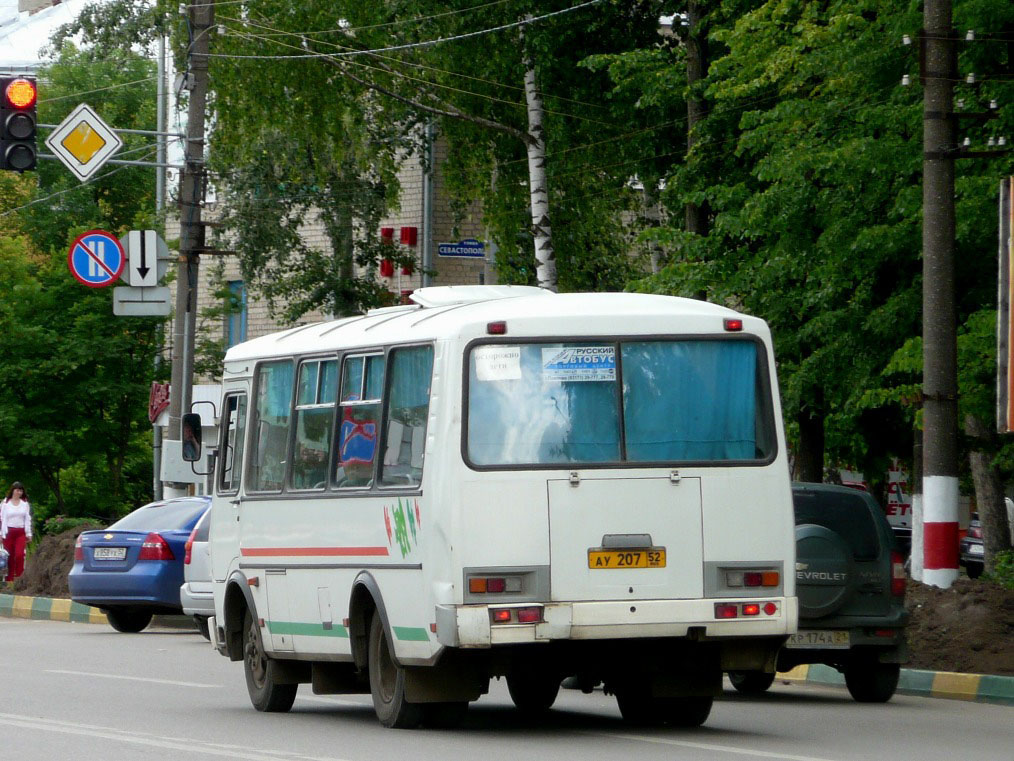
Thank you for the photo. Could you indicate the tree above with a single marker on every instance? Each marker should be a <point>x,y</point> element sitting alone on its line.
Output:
<point>73,391</point>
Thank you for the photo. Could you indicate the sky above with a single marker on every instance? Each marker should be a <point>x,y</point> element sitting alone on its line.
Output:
<point>22,37</point>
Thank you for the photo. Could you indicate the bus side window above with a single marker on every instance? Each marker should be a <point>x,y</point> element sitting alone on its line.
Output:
<point>233,434</point>
<point>359,420</point>
<point>408,410</point>
<point>271,425</point>
<point>314,415</point>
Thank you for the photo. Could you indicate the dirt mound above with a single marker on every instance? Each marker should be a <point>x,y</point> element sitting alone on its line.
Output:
<point>47,568</point>
<point>968,628</point>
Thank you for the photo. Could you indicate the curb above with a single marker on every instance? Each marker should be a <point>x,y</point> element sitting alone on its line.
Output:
<point>49,609</point>
<point>979,688</point>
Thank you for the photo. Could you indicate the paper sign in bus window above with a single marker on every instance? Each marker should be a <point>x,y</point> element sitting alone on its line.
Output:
<point>497,363</point>
<point>579,363</point>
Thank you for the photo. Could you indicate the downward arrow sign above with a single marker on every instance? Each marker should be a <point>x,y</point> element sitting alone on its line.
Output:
<point>142,246</point>
<point>143,268</point>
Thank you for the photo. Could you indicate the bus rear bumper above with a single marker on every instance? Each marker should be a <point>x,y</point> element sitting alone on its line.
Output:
<point>471,626</point>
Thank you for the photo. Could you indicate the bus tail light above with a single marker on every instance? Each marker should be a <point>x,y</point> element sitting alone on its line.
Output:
<point>733,324</point>
<point>494,585</point>
<point>760,578</point>
<point>531,614</point>
<point>737,609</point>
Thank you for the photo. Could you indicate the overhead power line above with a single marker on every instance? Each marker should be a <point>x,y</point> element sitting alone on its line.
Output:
<point>411,45</point>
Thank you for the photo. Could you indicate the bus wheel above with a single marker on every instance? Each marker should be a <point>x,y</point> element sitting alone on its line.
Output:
<point>751,682</point>
<point>533,692</point>
<point>387,683</point>
<point>265,693</point>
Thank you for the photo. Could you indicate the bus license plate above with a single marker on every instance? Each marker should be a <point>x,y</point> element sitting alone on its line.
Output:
<point>647,558</point>
<point>820,639</point>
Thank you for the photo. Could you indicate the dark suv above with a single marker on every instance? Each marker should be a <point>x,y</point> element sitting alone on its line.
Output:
<point>850,582</point>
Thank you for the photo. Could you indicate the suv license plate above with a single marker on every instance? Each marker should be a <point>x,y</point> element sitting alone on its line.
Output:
<point>646,558</point>
<point>110,553</point>
<point>822,639</point>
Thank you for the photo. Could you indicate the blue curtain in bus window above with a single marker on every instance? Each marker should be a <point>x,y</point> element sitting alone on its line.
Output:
<point>526,409</point>
<point>277,396</point>
<point>689,400</point>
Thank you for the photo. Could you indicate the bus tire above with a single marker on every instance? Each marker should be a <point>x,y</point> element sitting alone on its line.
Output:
<point>387,683</point>
<point>751,682</point>
<point>128,620</point>
<point>265,694</point>
<point>533,692</point>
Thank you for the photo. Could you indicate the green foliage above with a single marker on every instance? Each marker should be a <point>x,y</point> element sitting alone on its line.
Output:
<point>1003,570</point>
<point>74,380</point>
<point>61,523</point>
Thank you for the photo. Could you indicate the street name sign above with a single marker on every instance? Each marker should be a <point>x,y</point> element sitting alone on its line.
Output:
<point>129,301</point>
<point>96,259</point>
<point>147,258</point>
<point>469,248</point>
<point>83,142</point>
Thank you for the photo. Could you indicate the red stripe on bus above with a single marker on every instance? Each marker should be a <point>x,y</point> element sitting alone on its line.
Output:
<point>940,545</point>
<point>313,551</point>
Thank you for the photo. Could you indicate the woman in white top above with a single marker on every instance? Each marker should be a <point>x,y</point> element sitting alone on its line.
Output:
<point>16,528</point>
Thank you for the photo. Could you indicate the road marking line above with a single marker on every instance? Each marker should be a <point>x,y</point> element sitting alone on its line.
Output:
<point>156,741</point>
<point>130,678</point>
<point>711,747</point>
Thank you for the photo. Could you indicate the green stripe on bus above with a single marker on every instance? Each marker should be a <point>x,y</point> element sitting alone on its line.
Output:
<point>411,633</point>
<point>41,606</point>
<point>306,630</point>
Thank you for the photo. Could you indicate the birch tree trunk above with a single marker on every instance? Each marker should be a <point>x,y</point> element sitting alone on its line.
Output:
<point>545,257</point>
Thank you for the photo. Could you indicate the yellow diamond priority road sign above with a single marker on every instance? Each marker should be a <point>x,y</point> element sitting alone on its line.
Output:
<point>83,142</point>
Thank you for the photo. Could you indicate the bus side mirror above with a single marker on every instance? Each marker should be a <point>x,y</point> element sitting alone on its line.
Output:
<point>191,437</point>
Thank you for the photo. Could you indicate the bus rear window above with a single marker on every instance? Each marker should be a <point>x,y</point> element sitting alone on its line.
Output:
<point>600,403</point>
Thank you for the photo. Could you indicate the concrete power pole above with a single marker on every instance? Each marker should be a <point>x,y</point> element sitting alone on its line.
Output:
<point>201,18</point>
<point>940,379</point>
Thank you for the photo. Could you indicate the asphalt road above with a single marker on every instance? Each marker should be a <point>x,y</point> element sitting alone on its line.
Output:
<point>86,692</point>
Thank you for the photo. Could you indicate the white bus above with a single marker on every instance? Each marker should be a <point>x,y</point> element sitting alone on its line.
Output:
<point>498,481</point>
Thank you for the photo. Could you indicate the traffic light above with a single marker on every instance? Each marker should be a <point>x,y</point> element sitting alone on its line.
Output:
<point>18,150</point>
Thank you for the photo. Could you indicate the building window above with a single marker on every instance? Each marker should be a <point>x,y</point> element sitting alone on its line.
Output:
<point>235,321</point>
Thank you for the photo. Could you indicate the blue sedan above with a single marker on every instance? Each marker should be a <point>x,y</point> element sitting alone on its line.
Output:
<point>133,569</point>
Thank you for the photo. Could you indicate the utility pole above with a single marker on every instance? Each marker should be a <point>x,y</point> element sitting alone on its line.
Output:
<point>940,392</point>
<point>201,17</point>
<point>697,106</point>
<point>156,429</point>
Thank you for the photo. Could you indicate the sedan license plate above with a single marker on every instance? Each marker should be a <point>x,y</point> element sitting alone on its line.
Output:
<point>825,640</point>
<point>653,557</point>
<point>110,553</point>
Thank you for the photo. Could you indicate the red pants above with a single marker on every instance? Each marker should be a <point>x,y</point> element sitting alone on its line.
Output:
<point>14,543</point>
